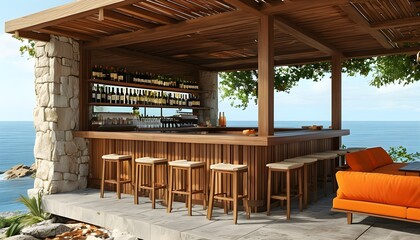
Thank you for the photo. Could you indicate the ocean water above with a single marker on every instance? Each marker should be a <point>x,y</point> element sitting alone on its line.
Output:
<point>16,147</point>
<point>17,141</point>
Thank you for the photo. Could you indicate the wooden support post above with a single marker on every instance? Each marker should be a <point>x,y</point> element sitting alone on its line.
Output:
<point>84,65</point>
<point>336,96</point>
<point>266,76</point>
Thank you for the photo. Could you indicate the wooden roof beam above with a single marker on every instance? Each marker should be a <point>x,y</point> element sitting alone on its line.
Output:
<point>64,13</point>
<point>246,5</point>
<point>139,12</point>
<point>382,52</point>
<point>284,6</point>
<point>402,22</point>
<point>179,29</point>
<point>130,53</point>
<point>124,19</point>
<point>354,15</point>
<point>65,33</point>
<point>33,35</point>
<point>304,36</point>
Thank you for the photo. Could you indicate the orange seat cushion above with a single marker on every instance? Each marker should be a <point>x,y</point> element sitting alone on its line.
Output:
<point>370,207</point>
<point>391,169</point>
<point>379,188</point>
<point>360,161</point>
<point>379,157</point>
<point>413,214</point>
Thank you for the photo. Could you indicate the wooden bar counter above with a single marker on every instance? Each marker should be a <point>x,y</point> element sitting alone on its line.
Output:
<point>212,145</point>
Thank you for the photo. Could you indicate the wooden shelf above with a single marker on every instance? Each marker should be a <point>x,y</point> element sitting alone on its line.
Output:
<point>145,106</point>
<point>144,86</point>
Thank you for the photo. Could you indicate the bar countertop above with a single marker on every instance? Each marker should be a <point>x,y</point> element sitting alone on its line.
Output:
<point>231,136</point>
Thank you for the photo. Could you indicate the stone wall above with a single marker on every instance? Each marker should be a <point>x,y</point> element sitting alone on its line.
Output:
<point>209,84</point>
<point>61,159</point>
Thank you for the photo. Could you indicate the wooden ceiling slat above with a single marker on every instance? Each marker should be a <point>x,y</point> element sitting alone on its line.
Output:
<point>402,22</point>
<point>63,14</point>
<point>179,29</point>
<point>151,16</point>
<point>124,19</point>
<point>61,32</point>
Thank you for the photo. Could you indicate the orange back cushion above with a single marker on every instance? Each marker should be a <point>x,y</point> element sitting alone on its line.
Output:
<point>360,161</point>
<point>379,156</point>
<point>379,188</point>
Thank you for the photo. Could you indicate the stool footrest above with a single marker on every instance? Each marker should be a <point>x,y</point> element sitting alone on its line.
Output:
<point>115,181</point>
<point>230,198</point>
<point>148,187</point>
<point>284,197</point>
<point>186,193</point>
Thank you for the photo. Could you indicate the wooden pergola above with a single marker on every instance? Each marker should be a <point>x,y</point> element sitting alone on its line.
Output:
<point>223,35</point>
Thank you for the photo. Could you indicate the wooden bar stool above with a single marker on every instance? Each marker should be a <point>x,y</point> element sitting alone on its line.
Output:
<point>288,168</point>
<point>118,160</point>
<point>149,167</point>
<point>326,158</point>
<point>234,170</point>
<point>341,155</point>
<point>309,168</point>
<point>188,167</point>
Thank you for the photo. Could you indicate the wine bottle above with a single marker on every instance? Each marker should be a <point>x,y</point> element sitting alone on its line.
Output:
<point>93,93</point>
<point>99,73</point>
<point>95,72</point>
<point>122,97</point>
<point>109,95</point>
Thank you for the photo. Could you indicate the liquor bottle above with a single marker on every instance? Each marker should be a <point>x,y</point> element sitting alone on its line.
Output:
<point>135,96</point>
<point>98,94</point>
<point>122,97</point>
<point>223,120</point>
<point>93,93</point>
<point>95,72</point>
<point>220,119</point>
<point>127,96</point>
<point>113,96</point>
<point>108,95</point>
<point>120,75</point>
<point>106,74</point>
<point>117,96</point>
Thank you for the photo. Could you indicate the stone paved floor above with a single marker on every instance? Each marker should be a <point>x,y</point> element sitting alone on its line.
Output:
<point>316,222</point>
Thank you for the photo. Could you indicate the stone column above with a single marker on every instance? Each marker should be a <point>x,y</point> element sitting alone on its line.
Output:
<point>61,159</point>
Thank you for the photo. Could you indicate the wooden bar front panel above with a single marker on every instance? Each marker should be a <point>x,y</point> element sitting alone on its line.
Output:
<point>256,157</point>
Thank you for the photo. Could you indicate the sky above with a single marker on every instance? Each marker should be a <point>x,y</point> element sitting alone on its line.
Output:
<point>308,101</point>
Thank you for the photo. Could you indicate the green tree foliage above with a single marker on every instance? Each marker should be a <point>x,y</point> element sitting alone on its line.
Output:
<point>240,87</point>
<point>28,46</point>
<point>400,154</point>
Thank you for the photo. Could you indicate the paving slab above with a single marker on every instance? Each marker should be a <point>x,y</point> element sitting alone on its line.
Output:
<point>315,222</point>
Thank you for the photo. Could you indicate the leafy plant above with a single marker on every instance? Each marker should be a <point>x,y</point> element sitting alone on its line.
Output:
<point>400,154</point>
<point>28,46</point>
<point>14,228</point>
<point>36,214</point>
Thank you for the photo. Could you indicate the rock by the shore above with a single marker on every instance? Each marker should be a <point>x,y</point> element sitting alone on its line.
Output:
<point>22,237</point>
<point>47,230</point>
<point>19,171</point>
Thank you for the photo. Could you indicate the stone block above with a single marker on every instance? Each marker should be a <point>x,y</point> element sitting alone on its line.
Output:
<point>83,170</point>
<point>43,146</point>
<point>45,170</point>
<point>43,61</point>
<point>42,127</point>
<point>41,71</point>
<point>66,62</point>
<point>81,143</point>
<point>74,103</point>
<point>63,165</point>
<point>70,176</point>
<point>69,135</point>
<point>54,88</point>
<point>84,159</point>
<point>40,44</point>
<point>39,51</point>
<point>74,166</point>
<point>75,82</point>
<point>38,115</point>
<point>43,95</point>
<point>63,39</point>
<point>38,183</point>
<point>70,148</point>
<point>57,176</point>
<point>52,126</point>
<point>59,49</point>
<point>64,119</point>
<point>45,231</point>
<point>75,68</point>
<point>59,148</point>
<point>58,101</point>
<point>51,115</point>
<point>82,182</point>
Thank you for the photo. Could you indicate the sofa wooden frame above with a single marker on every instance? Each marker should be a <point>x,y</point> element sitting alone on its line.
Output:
<point>350,215</point>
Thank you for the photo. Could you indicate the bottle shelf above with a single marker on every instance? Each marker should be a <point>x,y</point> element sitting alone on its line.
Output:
<point>144,86</point>
<point>145,106</point>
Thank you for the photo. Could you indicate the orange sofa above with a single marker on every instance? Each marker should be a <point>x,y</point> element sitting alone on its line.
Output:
<point>374,160</point>
<point>378,194</point>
